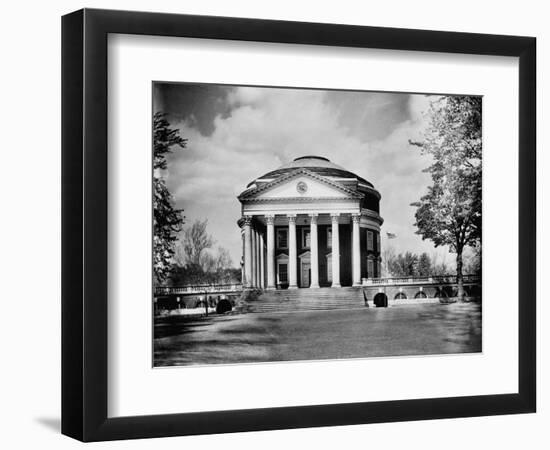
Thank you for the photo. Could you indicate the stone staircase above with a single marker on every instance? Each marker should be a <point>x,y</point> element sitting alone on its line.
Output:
<point>291,300</point>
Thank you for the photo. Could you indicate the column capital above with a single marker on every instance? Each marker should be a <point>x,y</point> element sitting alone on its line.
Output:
<point>335,217</point>
<point>356,218</point>
<point>291,218</point>
<point>270,219</point>
<point>247,220</point>
<point>314,218</point>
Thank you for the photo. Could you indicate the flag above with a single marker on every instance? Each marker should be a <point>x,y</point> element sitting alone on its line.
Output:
<point>391,235</point>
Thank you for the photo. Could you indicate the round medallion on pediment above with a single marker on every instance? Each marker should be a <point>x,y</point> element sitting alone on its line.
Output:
<point>301,187</point>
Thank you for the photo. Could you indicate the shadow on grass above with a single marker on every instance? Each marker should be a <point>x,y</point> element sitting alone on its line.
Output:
<point>178,325</point>
<point>214,340</point>
<point>169,326</point>
<point>420,330</point>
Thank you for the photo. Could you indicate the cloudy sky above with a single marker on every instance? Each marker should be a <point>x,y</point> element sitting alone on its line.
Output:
<point>235,134</point>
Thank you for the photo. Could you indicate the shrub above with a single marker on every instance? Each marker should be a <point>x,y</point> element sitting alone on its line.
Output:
<point>223,306</point>
<point>249,295</point>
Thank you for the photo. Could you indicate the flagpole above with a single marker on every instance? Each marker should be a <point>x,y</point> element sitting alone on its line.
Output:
<point>389,236</point>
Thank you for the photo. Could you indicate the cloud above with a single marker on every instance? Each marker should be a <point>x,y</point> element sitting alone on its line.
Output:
<point>264,128</point>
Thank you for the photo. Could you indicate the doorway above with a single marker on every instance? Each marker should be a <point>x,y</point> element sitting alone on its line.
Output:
<point>305,278</point>
<point>380,300</point>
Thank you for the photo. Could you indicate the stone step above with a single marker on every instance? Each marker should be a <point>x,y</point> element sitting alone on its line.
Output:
<point>290,311</point>
<point>312,300</point>
<point>311,293</point>
<point>308,300</point>
<point>319,305</point>
<point>318,302</point>
<point>281,310</point>
<point>300,307</point>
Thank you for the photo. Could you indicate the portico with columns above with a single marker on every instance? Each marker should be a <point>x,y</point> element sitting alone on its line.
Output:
<point>309,224</point>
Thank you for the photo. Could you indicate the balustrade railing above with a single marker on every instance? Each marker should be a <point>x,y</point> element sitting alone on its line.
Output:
<point>236,287</point>
<point>198,289</point>
<point>442,279</point>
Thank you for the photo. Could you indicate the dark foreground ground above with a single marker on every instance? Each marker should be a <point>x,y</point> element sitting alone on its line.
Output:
<point>360,333</point>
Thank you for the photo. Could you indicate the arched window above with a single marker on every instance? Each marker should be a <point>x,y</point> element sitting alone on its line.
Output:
<point>400,296</point>
<point>420,294</point>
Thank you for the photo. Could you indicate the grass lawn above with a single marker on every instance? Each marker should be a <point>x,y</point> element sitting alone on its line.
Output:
<point>359,333</point>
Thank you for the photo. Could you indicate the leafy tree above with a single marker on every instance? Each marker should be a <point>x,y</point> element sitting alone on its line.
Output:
<point>404,265</point>
<point>212,269</point>
<point>388,258</point>
<point>424,268</point>
<point>450,212</point>
<point>195,241</point>
<point>439,268</point>
<point>472,263</point>
<point>187,274</point>
<point>192,274</point>
<point>167,221</point>
<point>223,260</point>
<point>208,263</point>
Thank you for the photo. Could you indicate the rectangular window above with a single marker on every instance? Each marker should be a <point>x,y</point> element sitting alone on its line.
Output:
<point>329,238</point>
<point>329,269</point>
<point>283,273</point>
<point>306,238</point>
<point>378,242</point>
<point>282,238</point>
<point>370,240</point>
<point>370,268</point>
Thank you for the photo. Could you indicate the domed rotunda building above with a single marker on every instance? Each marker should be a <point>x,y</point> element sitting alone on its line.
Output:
<point>309,224</point>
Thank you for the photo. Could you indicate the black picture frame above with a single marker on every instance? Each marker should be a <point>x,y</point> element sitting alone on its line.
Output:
<point>84,224</point>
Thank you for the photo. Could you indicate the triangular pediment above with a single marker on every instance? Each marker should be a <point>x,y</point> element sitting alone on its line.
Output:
<point>282,257</point>
<point>300,183</point>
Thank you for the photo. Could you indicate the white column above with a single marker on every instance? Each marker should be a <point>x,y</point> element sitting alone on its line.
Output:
<point>292,253</point>
<point>247,282</point>
<point>270,251</point>
<point>335,251</point>
<point>254,259</point>
<point>257,258</point>
<point>314,244</point>
<point>356,250</point>
<point>262,262</point>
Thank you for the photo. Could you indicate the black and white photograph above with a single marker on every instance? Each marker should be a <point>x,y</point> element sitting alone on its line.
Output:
<point>275,225</point>
<point>298,224</point>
